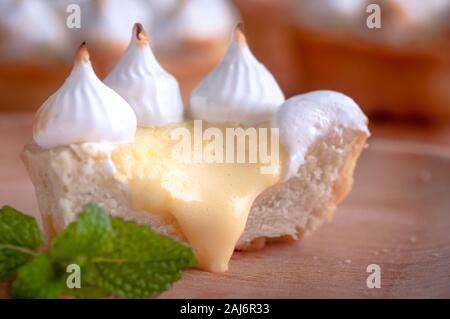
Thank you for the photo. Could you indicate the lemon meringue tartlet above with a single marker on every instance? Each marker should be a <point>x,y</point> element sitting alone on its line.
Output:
<point>31,62</point>
<point>81,153</point>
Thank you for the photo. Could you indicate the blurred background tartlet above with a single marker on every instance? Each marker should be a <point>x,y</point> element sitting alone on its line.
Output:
<point>32,61</point>
<point>188,36</point>
<point>401,71</point>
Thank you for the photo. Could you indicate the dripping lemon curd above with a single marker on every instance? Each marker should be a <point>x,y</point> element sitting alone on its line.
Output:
<point>209,201</point>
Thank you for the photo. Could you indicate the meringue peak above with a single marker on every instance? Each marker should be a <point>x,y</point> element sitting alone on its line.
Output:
<point>239,35</point>
<point>152,92</point>
<point>240,89</point>
<point>140,35</point>
<point>83,110</point>
<point>82,54</point>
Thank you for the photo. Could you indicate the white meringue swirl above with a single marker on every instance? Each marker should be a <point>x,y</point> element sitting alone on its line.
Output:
<point>153,93</point>
<point>240,89</point>
<point>305,118</point>
<point>83,110</point>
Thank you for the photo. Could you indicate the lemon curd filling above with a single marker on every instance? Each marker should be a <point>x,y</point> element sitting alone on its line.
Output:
<point>209,201</point>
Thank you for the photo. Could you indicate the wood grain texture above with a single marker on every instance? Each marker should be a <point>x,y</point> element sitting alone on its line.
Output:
<point>397,216</point>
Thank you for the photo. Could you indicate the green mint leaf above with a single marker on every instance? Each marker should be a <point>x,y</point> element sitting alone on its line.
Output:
<point>142,264</point>
<point>10,260</point>
<point>39,278</point>
<point>19,238</point>
<point>88,289</point>
<point>19,229</point>
<point>116,257</point>
<point>89,236</point>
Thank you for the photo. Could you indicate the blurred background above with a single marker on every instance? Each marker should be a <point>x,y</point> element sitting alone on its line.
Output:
<point>399,73</point>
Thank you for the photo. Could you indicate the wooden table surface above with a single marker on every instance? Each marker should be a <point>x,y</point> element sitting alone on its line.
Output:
<point>397,216</point>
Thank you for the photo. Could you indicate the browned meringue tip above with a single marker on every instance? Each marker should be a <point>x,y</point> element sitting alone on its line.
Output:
<point>239,34</point>
<point>82,54</point>
<point>140,34</point>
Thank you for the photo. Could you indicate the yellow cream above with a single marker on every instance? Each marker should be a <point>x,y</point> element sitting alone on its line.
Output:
<point>210,202</point>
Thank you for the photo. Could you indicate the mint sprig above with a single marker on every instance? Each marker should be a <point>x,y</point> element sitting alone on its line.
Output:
<point>11,259</point>
<point>116,257</point>
<point>20,238</point>
<point>39,279</point>
<point>140,253</point>
<point>90,236</point>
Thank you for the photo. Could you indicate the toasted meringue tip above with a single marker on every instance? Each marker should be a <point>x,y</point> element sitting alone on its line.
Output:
<point>82,54</point>
<point>239,34</point>
<point>140,34</point>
